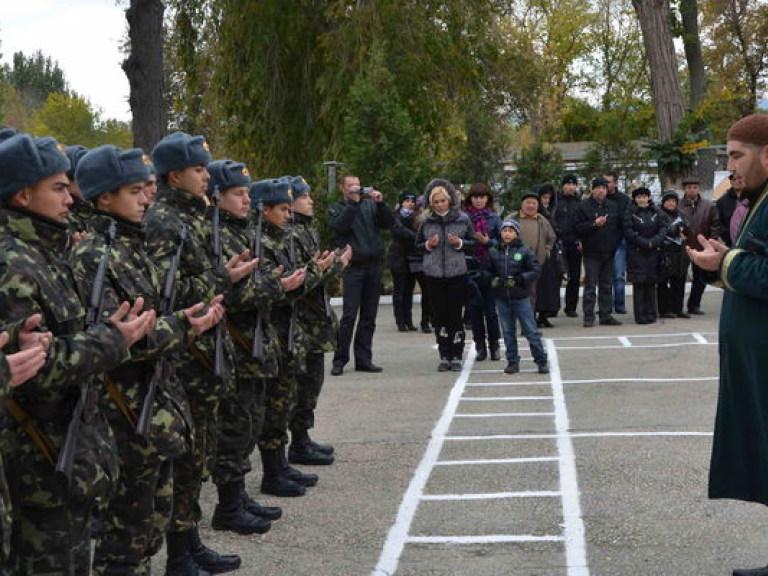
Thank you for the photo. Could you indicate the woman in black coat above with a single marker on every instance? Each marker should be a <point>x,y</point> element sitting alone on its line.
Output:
<point>644,229</point>
<point>673,266</point>
<point>551,279</point>
<point>400,250</point>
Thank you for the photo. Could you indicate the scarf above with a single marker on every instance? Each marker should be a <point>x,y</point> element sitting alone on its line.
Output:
<point>480,222</point>
<point>742,206</point>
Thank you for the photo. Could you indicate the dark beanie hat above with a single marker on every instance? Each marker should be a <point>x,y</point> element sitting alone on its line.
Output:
<point>599,181</point>
<point>670,194</point>
<point>270,192</point>
<point>752,129</point>
<point>6,133</point>
<point>108,167</point>
<point>641,190</point>
<point>227,174</point>
<point>569,179</point>
<point>405,195</point>
<point>74,153</point>
<point>514,224</point>
<point>299,186</point>
<point>178,151</point>
<point>25,160</point>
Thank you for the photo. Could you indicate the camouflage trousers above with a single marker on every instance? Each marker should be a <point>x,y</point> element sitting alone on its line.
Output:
<point>241,418</point>
<point>308,384</point>
<point>279,401</point>
<point>51,532</point>
<point>193,468</point>
<point>5,521</point>
<point>137,517</point>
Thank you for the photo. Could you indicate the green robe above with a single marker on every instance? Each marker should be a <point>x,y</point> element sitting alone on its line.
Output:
<point>739,466</point>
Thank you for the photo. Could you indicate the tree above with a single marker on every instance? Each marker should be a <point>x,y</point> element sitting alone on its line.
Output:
<point>144,69</point>
<point>689,14</point>
<point>35,77</point>
<point>536,164</point>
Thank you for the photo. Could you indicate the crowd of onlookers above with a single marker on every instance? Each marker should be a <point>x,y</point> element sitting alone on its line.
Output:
<point>450,242</point>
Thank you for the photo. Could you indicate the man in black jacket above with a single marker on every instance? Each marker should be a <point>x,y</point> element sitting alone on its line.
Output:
<point>358,220</point>
<point>565,210</point>
<point>597,223</point>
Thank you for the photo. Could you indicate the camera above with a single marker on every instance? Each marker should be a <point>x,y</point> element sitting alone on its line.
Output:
<point>366,190</point>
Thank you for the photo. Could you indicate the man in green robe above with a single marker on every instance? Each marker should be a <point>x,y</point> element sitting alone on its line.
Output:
<point>739,467</point>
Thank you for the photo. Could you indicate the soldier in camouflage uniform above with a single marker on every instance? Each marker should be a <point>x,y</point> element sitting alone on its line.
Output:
<point>15,369</point>
<point>241,413</point>
<point>279,251</point>
<point>137,516</point>
<point>81,212</point>
<point>51,520</point>
<point>319,321</point>
<point>180,160</point>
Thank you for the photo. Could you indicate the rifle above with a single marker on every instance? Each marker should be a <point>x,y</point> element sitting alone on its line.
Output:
<point>292,258</point>
<point>163,367</point>
<point>218,358</point>
<point>93,315</point>
<point>258,330</point>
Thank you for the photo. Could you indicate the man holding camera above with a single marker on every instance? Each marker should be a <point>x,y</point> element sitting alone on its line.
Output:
<point>357,220</point>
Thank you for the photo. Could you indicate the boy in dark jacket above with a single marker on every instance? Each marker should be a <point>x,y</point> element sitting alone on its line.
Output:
<point>515,267</point>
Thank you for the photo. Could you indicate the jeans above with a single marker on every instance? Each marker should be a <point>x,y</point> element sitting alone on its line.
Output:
<point>620,277</point>
<point>520,309</point>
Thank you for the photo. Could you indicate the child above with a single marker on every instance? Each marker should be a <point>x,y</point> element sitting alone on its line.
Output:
<point>515,267</point>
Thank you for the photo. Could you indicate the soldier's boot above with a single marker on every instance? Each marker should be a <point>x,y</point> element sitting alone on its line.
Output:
<point>303,451</point>
<point>252,506</point>
<point>179,561</point>
<point>230,514</point>
<point>274,481</point>
<point>209,560</point>
<point>296,475</point>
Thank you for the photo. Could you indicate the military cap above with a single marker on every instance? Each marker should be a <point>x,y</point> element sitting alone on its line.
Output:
<point>108,167</point>
<point>227,174</point>
<point>178,151</point>
<point>299,186</point>
<point>569,179</point>
<point>641,190</point>
<point>514,224</point>
<point>691,180</point>
<point>74,153</point>
<point>25,160</point>
<point>670,194</point>
<point>270,192</point>
<point>599,181</point>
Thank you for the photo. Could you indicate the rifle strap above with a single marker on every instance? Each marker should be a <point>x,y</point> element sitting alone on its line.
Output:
<point>39,438</point>
<point>238,336</point>
<point>201,357</point>
<point>120,402</point>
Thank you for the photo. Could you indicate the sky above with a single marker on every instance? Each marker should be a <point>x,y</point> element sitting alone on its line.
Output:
<point>83,36</point>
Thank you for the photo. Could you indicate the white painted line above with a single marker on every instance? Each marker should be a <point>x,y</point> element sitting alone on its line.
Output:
<point>654,335</point>
<point>489,539</point>
<point>625,341</point>
<point>506,415</point>
<point>490,496</point>
<point>492,384</point>
<point>638,434</point>
<point>496,461</point>
<point>636,346</point>
<point>398,534</point>
<point>503,398</point>
<point>641,380</point>
<point>573,435</point>
<point>700,338</point>
<point>575,543</point>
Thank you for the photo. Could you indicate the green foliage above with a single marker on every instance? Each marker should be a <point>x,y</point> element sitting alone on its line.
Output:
<point>538,163</point>
<point>677,156</point>
<point>35,77</point>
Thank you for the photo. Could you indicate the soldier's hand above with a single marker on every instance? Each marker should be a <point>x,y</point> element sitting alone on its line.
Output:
<point>240,266</point>
<point>132,322</point>
<point>30,336</point>
<point>212,316</point>
<point>325,260</point>
<point>25,364</point>
<point>75,238</point>
<point>292,282</point>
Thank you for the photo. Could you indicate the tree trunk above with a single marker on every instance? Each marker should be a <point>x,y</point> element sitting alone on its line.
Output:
<point>660,51</point>
<point>144,69</point>
<point>689,11</point>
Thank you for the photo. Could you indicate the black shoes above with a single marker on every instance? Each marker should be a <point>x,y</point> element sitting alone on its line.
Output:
<point>444,365</point>
<point>571,314</point>
<point>275,480</point>
<point>512,368</point>
<point>495,353</point>
<point>589,323</point>
<point>670,315</point>
<point>695,311</point>
<point>455,365</point>
<point>304,452</point>
<point>209,560</point>
<point>402,328</point>
<point>368,368</point>
<point>751,572</point>
<point>252,506</point>
<point>337,370</point>
<point>543,368</point>
<point>411,327</point>
<point>609,321</point>
<point>682,315</point>
<point>482,352</point>
<point>620,311</point>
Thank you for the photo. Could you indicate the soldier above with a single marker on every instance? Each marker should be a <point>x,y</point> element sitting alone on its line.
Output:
<point>241,414</point>
<point>180,160</point>
<point>51,531</point>
<point>137,516</point>
<point>279,478</point>
<point>318,320</point>
<point>82,211</point>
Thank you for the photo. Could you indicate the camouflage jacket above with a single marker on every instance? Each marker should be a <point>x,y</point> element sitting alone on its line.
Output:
<point>251,296</point>
<point>314,310</point>
<point>35,278</point>
<point>80,214</point>
<point>132,274</point>
<point>172,210</point>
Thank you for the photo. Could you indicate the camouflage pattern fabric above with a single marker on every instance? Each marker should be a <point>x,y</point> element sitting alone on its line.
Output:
<point>51,530</point>
<point>5,497</point>
<point>80,214</point>
<point>134,512</point>
<point>173,209</point>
